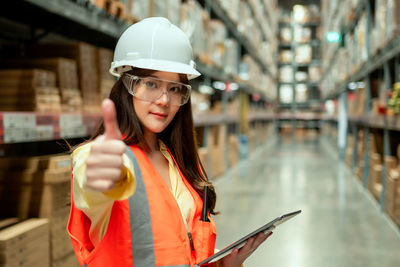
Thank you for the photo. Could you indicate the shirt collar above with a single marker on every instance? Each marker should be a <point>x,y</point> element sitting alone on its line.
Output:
<point>164,151</point>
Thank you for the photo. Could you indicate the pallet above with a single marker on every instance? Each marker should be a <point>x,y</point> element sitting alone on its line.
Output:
<point>113,7</point>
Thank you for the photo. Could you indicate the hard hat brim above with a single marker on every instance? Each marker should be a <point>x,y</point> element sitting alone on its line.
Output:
<point>117,68</point>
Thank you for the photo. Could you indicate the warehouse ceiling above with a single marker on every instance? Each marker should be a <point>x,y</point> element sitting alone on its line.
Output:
<point>288,4</point>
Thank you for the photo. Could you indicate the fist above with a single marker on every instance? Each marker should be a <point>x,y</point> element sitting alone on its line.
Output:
<point>105,162</point>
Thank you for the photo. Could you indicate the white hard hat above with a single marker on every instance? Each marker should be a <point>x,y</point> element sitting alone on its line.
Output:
<point>156,44</point>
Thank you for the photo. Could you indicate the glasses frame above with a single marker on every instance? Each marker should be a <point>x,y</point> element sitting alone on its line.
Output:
<point>129,81</point>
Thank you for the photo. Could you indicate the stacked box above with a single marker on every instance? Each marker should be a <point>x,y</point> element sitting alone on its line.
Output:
<point>233,150</point>
<point>232,8</point>
<point>375,170</point>
<point>262,131</point>
<point>286,94</point>
<point>252,140</point>
<point>301,94</point>
<point>25,244</point>
<point>104,59</point>
<point>360,155</point>
<point>392,196</point>
<point>194,21</point>
<point>66,77</point>
<point>248,27</point>
<point>216,147</point>
<point>28,90</point>
<point>302,34</point>
<point>115,8</point>
<point>302,14</point>
<point>303,54</point>
<point>69,260</point>
<point>286,56</point>
<point>349,151</point>
<point>64,68</point>
<point>173,11</point>
<point>286,74</point>
<point>357,106</point>
<point>218,33</point>
<point>314,73</point>
<point>301,76</point>
<point>43,182</point>
<point>86,58</point>
<point>362,39</point>
<point>158,8</point>
<point>392,19</point>
<point>140,9</point>
<point>380,22</point>
<point>286,35</point>
<point>40,187</point>
<point>231,56</point>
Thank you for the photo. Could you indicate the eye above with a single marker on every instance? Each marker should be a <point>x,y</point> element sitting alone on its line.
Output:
<point>151,84</point>
<point>175,89</point>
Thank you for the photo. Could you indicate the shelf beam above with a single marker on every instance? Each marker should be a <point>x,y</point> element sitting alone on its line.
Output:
<point>82,15</point>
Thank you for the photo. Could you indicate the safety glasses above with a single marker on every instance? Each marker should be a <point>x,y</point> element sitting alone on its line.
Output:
<point>151,89</point>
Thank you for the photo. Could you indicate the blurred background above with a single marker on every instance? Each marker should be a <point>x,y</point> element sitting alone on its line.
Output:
<point>297,108</point>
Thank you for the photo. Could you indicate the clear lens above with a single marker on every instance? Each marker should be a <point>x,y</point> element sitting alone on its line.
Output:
<point>150,89</point>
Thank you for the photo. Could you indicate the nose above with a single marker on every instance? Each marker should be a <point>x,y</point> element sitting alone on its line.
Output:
<point>163,99</point>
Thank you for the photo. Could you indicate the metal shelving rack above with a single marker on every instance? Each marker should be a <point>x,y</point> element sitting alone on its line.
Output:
<point>295,106</point>
<point>381,63</point>
<point>80,20</point>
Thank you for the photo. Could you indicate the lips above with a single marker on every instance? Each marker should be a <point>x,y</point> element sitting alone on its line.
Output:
<point>160,115</point>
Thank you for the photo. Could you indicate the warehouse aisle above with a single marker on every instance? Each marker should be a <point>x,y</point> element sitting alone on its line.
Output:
<point>340,224</point>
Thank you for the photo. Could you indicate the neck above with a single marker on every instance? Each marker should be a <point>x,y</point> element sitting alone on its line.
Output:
<point>152,141</point>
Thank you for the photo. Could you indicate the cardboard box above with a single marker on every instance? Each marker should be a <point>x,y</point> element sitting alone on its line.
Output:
<point>69,260</point>
<point>104,59</point>
<point>60,243</point>
<point>25,244</point>
<point>390,162</point>
<point>85,56</point>
<point>64,68</point>
<point>233,150</point>
<point>27,78</point>
<point>216,146</point>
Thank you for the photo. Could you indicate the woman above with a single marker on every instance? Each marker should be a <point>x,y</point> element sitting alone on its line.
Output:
<point>138,184</point>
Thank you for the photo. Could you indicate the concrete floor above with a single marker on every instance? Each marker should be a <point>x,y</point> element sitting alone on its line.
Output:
<point>340,224</point>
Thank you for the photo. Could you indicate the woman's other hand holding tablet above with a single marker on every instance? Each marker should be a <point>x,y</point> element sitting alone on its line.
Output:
<point>238,256</point>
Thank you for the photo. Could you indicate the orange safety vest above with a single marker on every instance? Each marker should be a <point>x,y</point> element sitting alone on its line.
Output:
<point>147,229</point>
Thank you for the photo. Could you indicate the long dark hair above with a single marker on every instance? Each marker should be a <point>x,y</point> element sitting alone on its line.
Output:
<point>179,136</point>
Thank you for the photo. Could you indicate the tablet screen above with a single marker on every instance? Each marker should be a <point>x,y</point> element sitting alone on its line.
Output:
<point>241,242</point>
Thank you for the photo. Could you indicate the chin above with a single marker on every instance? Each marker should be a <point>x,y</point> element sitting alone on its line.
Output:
<point>157,130</point>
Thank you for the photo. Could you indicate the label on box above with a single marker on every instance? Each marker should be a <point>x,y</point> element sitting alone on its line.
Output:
<point>44,132</point>
<point>70,120</point>
<point>16,120</point>
<point>14,135</point>
<point>71,132</point>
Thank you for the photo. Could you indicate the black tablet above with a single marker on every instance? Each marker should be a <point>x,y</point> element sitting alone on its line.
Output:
<point>241,242</point>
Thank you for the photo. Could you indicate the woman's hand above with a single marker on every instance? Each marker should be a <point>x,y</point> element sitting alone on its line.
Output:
<point>105,162</point>
<point>238,256</point>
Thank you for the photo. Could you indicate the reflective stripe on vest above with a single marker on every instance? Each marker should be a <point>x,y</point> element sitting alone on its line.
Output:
<point>140,220</point>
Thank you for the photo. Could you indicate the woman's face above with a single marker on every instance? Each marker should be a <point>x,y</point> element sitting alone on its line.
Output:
<point>155,116</point>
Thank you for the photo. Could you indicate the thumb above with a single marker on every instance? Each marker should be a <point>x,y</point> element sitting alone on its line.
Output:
<point>110,120</point>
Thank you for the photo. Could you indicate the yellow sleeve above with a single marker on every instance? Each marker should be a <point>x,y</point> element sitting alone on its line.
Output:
<point>97,205</point>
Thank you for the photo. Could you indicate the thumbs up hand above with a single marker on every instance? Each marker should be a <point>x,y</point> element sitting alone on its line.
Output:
<point>105,162</point>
